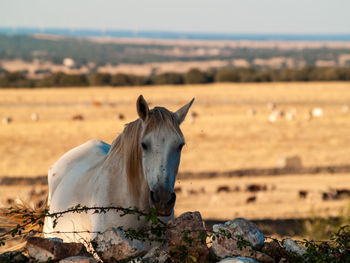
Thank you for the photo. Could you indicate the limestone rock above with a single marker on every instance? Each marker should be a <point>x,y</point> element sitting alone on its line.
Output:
<point>187,232</point>
<point>112,245</point>
<point>238,260</point>
<point>42,249</point>
<point>78,259</point>
<point>291,246</point>
<point>235,235</point>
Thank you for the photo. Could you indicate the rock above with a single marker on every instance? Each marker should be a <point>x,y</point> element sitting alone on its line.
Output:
<point>274,250</point>
<point>13,256</point>
<point>112,245</point>
<point>263,258</point>
<point>249,237</point>
<point>238,260</point>
<point>156,255</point>
<point>291,246</point>
<point>78,259</point>
<point>292,162</point>
<point>42,249</point>
<point>187,234</point>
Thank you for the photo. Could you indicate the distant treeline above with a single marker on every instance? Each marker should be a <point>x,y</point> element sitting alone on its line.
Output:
<point>84,51</point>
<point>194,76</point>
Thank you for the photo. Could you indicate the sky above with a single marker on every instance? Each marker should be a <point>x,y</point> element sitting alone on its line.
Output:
<point>204,16</point>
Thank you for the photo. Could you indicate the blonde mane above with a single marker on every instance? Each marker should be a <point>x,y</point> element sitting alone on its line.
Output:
<point>127,144</point>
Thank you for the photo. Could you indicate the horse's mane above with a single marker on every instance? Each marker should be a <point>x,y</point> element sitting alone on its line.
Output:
<point>127,144</point>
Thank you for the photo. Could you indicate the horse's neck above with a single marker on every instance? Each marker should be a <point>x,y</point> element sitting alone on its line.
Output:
<point>123,191</point>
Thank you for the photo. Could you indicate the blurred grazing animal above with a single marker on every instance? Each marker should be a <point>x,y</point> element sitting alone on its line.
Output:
<point>271,106</point>
<point>317,112</point>
<point>302,194</point>
<point>34,116</point>
<point>78,117</point>
<point>121,116</point>
<point>251,199</point>
<point>10,201</point>
<point>178,190</point>
<point>343,192</point>
<point>192,192</point>
<point>256,188</point>
<point>96,103</point>
<point>193,117</point>
<point>329,196</point>
<point>275,115</point>
<point>272,118</point>
<point>6,120</point>
<point>138,170</point>
<point>223,188</point>
<point>251,112</point>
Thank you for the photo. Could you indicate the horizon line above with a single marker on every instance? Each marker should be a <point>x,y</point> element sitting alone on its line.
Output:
<point>163,34</point>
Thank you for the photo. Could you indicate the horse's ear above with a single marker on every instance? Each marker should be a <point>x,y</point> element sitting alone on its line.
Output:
<point>182,112</point>
<point>142,108</point>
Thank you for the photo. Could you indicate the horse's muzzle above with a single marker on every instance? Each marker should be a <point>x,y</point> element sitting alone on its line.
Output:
<point>163,202</point>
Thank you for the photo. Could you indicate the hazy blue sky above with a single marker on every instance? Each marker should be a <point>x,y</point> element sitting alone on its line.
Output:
<point>231,16</point>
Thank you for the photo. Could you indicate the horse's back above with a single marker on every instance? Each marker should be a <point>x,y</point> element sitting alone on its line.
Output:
<point>75,162</point>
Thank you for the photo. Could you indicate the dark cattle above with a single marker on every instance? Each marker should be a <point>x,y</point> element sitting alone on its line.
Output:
<point>10,201</point>
<point>303,194</point>
<point>343,192</point>
<point>7,120</point>
<point>192,192</point>
<point>223,188</point>
<point>78,117</point>
<point>251,199</point>
<point>329,196</point>
<point>256,188</point>
<point>237,188</point>
<point>178,189</point>
<point>193,116</point>
<point>97,103</point>
<point>121,116</point>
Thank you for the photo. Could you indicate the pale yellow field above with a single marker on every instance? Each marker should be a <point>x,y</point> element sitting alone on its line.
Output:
<point>223,136</point>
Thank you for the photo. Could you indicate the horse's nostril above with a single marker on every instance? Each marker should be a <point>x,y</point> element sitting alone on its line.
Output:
<point>172,199</point>
<point>154,197</point>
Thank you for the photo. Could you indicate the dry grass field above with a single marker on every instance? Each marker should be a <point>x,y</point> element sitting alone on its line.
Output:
<point>222,137</point>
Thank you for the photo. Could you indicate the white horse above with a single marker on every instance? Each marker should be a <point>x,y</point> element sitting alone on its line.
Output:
<point>138,170</point>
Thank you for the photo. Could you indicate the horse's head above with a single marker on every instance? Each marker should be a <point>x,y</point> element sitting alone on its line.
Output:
<point>161,143</point>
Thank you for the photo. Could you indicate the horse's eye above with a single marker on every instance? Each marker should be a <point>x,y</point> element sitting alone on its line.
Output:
<point>181,146</point>
<point>144,146</point>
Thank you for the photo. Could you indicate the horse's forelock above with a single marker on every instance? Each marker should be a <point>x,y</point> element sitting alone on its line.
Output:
<point>160,117</point>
